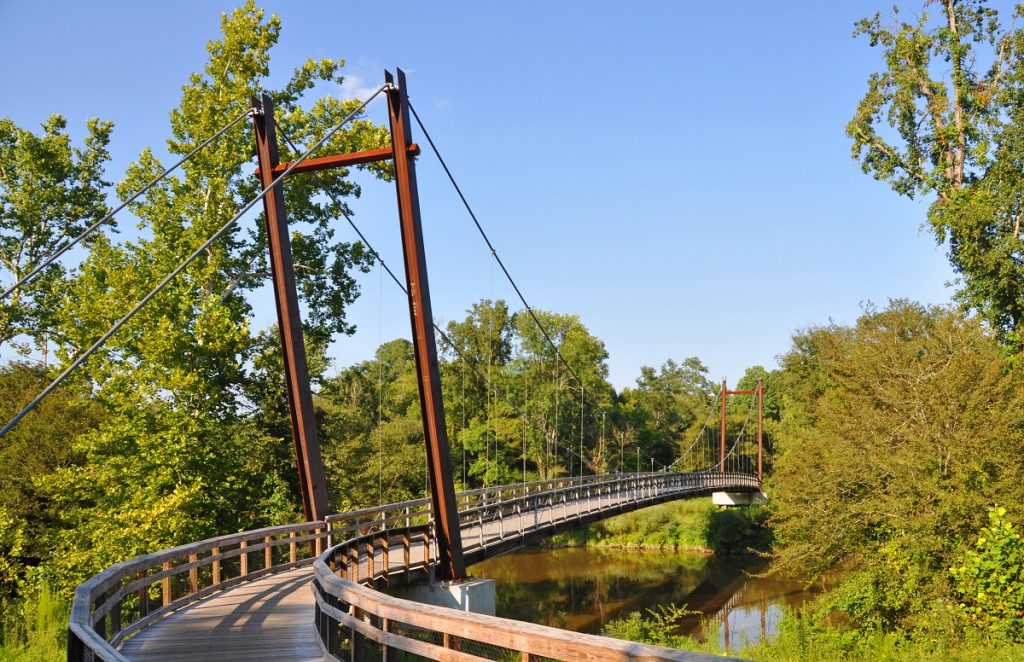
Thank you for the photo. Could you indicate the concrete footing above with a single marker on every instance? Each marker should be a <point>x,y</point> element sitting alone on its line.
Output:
<point>472,595</point>
<point>737,498</point>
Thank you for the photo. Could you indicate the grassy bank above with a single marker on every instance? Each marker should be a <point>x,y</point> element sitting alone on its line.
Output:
<point>34,628</point>
<point>801,638</point>
<point>691,524</point>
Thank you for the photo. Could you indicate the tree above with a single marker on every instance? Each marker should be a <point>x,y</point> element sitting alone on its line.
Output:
<point>552,392</point>
<point>906,426</point>
<point>669,406</point>
<point>176,382</point>
<point>936,122</point>
<point>372,432</point>
<point>50,191</point>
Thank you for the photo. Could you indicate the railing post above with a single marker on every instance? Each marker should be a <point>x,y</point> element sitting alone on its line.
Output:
<point>268,552</point>
<point>143,597</point>
<point>243,559</point>
<point>385,626</point>
<point>193,575</point>
<point>333,627</point>
<point>100,626</point>
<point>406,554</point>
<point>76,651</point>
<point>293,552</point>
<point>216,565</point>
<point>115,619</point>
<point>355,638</point>
<point>166,584</point>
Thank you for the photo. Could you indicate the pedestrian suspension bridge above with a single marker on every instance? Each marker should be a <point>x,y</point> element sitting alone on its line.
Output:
<point>324,588</point>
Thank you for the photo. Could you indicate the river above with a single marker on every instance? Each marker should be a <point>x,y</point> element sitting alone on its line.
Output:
<point>582,588</point>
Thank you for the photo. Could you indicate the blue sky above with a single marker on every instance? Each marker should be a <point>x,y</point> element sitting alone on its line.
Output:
<point>675,173</point>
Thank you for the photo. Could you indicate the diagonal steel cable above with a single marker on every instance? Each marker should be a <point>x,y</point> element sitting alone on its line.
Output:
<point>92,228</point>
<point>497,258</point>
<point>191,258</point>
<point>441,332</point>
<point>697,438</point>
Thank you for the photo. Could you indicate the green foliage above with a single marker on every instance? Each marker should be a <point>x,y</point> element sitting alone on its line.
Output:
<point>944,118</point>
<point>901,428</point>
<point>896,434</point>
<point>34,628</point>
<point>989,583</point>
<point>667,408</point>
<point>804,636</point>
<point>162,447</point>
<point>694,524</point>
<point>656,627</point>
<point>50,191</point>
<point>739,530</point>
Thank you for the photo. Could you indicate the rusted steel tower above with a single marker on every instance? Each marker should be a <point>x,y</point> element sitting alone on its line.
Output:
<point>307,446</point>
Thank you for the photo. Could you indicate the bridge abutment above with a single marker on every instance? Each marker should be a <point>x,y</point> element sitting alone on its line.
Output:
<point>477,596</point>
<point>737,498</point>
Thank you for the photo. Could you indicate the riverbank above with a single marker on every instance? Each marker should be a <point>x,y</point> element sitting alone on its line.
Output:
<point>693,525</point>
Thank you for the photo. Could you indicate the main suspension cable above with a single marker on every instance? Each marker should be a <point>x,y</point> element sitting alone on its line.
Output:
<point>490,246</point>
<point>191,258</point>
<point>92,228</point>
<point>441,332</point>
<point>739,435</point>
<point>703,428</point>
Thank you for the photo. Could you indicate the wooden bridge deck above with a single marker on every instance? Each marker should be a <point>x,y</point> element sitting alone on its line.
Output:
<point>266,619</point>
<point>272,618</point>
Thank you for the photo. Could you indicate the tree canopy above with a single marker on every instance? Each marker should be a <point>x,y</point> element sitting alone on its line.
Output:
<point>945,118</point>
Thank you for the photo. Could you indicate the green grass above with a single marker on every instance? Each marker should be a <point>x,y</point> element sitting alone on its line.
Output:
<point>800,639</point>
<point>34,629</point>
<point>693,524</point>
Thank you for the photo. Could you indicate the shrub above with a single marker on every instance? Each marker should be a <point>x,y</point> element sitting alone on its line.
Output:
<point>989,584</point>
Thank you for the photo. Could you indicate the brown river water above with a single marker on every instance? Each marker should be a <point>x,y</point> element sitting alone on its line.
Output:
<point>582,588</point>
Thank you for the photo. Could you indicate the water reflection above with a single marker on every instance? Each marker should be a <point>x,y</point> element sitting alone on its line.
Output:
<point>581,589</point>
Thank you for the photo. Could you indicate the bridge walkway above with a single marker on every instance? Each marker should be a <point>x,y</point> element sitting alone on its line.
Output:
<point>272,618</point>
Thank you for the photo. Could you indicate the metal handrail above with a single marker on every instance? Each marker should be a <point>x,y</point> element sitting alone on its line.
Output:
<point>115,603</point>
<point>346,573</point>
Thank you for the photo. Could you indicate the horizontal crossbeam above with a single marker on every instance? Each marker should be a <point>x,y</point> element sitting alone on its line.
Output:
<point>344,160</point>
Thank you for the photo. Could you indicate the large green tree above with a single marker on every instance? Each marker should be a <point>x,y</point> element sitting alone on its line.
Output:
<point>50,191</point>
<point>177,455</point>
<point>896,435</point>
<point>945,119</point>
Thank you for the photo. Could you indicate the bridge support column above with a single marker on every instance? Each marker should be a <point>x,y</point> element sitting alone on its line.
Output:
<point>289,321</point>
<point>451,564</point>
<point>477,596</point>
<point>737,498</point>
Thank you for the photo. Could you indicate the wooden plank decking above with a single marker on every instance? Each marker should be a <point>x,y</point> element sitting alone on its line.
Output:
<point>267,619</point>
<point>272,618</point>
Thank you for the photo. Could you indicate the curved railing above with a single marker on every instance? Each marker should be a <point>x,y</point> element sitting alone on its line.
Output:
<point>355,621</point>
<point>391,541</point>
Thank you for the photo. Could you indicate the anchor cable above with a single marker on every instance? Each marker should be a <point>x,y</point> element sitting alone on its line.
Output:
<point>180,268</point>
<point>89,230</point>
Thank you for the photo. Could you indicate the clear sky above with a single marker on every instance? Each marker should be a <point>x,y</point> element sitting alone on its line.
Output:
<point>675,173</point>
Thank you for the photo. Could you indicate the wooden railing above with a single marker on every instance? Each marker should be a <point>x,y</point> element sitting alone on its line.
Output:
<point>128,596</point>
<point>355,621</point>
<point>378,546</point>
